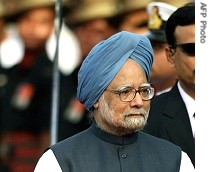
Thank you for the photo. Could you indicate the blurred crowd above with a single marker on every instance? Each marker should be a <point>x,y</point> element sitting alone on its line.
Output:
<point>27,52</point>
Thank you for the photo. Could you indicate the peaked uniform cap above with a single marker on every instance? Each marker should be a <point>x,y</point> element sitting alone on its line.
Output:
<point>159,13</point>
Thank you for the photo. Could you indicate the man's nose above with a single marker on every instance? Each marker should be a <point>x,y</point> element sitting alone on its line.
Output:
<point>137,101</point>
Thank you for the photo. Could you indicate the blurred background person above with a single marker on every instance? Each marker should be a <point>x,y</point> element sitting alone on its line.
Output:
<point>92,21</point>
<point>163,73</point>
<point>5,150</point>
<point>26,109</point>
<point>3,35</point>
<point>132,16</point>
<point>24,121</point>
<point>5,32</point>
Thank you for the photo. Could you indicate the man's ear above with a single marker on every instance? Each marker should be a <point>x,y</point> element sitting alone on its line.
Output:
<point>170,54</point>
<point>96,105</point>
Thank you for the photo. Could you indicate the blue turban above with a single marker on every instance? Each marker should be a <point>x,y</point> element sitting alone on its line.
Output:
<point>105,60</point>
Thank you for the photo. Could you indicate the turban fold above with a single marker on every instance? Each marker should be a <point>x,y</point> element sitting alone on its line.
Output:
<point>106,59</point>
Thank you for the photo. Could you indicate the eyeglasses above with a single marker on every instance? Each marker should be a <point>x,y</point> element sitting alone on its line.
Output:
<point>187,48</point>
<point>127,94</point>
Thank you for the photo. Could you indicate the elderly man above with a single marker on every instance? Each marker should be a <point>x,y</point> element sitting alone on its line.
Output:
<point>113,85</point>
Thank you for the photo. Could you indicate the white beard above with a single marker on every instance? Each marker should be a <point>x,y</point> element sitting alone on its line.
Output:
<point>108,122</point>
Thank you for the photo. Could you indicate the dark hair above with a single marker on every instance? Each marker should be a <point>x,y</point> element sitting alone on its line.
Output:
<point>183,16</point>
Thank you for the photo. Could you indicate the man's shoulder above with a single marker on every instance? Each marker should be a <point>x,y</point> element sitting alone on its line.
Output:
<point>75,139</point>
<point>158,142</point>
<point>166,97</point>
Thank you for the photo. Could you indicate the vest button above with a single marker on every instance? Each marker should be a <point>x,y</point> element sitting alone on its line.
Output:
<point>123,155</point>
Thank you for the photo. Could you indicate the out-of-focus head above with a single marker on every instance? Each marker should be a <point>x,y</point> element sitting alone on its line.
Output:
<point>92,22</point>
<point>132,15</point>
<point>87,10</point>
<point>159,13</point>
<point>106,59</point>
<point>35,21</point>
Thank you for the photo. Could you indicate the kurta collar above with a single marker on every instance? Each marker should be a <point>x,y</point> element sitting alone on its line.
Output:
<point>117,140</point>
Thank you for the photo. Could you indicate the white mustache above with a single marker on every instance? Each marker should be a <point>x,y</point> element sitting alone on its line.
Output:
<point>136,112</point>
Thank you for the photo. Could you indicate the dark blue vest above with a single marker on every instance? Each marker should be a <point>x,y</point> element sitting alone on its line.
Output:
<point>96,151</point>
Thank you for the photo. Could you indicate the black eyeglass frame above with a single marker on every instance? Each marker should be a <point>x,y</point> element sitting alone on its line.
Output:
<point>187,48</point>
<point>140,91</point>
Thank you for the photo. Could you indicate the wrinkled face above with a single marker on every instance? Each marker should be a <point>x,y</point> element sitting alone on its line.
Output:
<point>118,117</point>
<point>35,26</point>
<point>184,63</point>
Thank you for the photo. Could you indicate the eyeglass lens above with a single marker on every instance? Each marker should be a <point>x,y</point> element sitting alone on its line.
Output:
<point>129,94</point>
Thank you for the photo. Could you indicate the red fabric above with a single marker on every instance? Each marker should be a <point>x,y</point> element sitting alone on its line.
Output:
<point>26,151</point>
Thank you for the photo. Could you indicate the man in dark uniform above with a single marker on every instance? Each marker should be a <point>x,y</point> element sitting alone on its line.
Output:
<point>172,113</point>
<point>163,74</point>
<point>3,79</point>
<point>26,105</point>
<point>113,84</point>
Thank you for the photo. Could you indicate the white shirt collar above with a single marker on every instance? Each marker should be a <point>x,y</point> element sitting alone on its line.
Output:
<point>189,101</point>
<point>163,91</point>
